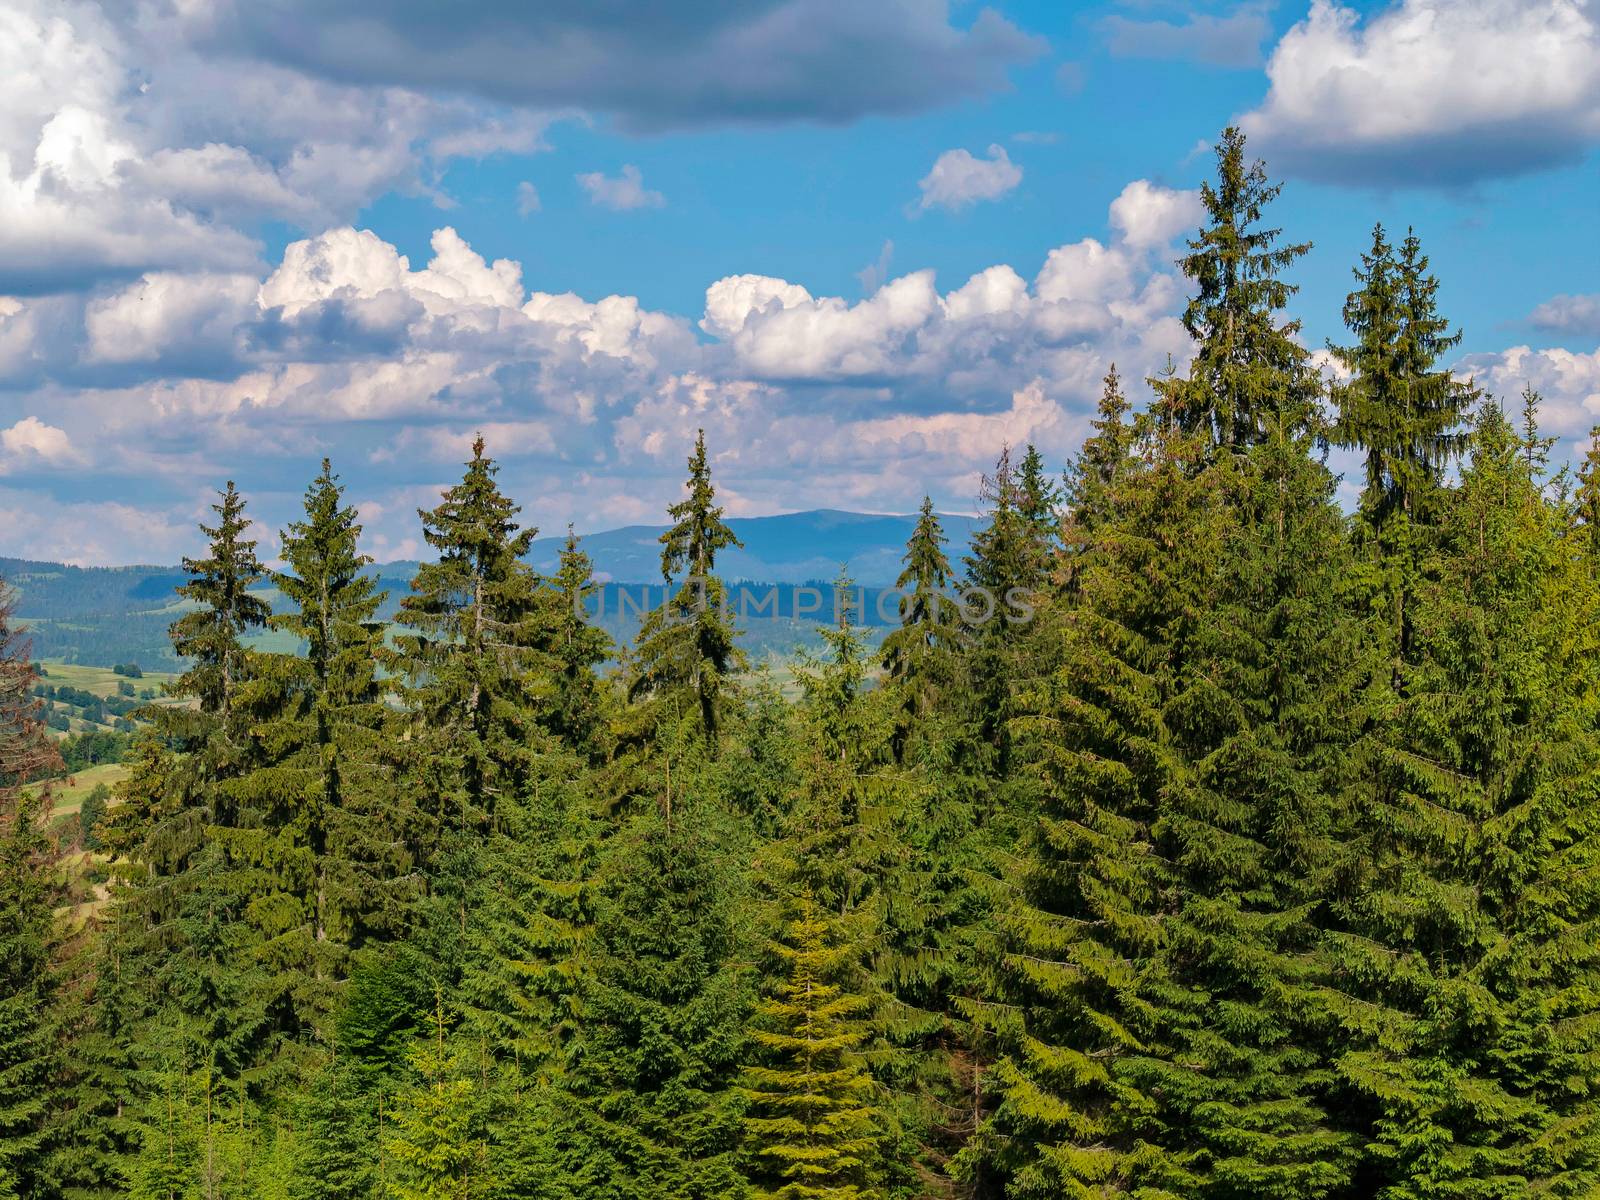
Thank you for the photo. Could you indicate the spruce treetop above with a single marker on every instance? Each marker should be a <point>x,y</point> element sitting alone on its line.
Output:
<point>1399,406</point>
<point>1104,457</point>
<point>219,583</point>
<point>324,579</point>
<point>1248,366</point>
<point>689,643</point>
<point>698,531</point>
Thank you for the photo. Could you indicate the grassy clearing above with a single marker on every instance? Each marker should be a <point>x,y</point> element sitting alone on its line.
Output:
<point>102,681</point>
<point>69,794</point>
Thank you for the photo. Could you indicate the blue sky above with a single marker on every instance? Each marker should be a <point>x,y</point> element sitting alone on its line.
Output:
<point>713,215</point>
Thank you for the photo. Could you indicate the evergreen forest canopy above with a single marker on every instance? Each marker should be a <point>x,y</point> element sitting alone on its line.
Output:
<point>1263,862</point>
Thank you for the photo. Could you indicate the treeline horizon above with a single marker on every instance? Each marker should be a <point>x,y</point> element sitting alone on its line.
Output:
<point>1262,862</point>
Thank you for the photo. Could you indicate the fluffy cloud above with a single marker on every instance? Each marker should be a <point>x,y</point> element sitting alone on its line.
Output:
<point>624,192</point>
<point>527,199</point>
<point>1568,382</point>
<point>692,62</point>
<point>166,314</point>
<point>177,380</point>
<point>1148,215</point>
<point>1433,91</point>
<point>31,441</point>
<point>958,180</point>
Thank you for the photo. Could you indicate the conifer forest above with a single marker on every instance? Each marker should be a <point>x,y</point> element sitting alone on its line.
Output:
<point>1247,849</point>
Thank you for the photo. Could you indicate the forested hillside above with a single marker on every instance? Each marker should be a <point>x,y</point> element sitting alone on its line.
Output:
<point>1188,838</point>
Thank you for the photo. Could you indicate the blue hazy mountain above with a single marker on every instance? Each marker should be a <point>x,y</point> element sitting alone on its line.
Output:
<point>791,548</point>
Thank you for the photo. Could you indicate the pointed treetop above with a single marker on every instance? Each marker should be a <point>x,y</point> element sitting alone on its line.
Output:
<point>1400,405</point>
<point>1249,368</point>
<point>219,583</point>
<point>698,531</point>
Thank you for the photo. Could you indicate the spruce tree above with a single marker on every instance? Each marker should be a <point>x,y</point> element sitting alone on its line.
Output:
<point>813,1127</point>
<point>1247,363</point>
<point>210,734</point>
<point>437,1148</point>
<point>1399,406</point>
<point>1078,964</point>
<point>654,1106</point>
<point>475,671</point>
<point>918,655</point>
<point>531,916</point>
<point>1038,501</point>
<point>1261,718</point>
<point>336,1123</point>
<point>219,585</point>
<point>1405,411</point>
<point>1466,970</point>
<point>688,646</point>
<point>1005,570</point>
<point>577,647</point>
<point>29,890</point>
<point>320,816</point>
<point>189,1004</point>
<point>1001,555</point>
<point>1157,953</point>
<point>833,687</point>
<point>943,815</point>
<point>1102,463</point>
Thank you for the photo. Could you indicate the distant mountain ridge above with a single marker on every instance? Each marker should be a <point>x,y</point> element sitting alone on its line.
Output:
<point>104,615</point>
<point>790,548</point>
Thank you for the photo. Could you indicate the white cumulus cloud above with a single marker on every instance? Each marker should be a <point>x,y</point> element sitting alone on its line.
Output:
<point>959,180</point>
<point>31,441</point>
<point>1147,215</point>
<point>1433,91</point>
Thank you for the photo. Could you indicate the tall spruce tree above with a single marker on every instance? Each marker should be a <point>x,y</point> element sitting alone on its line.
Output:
<point>577,647</point>
<point>688,646</point>
<point>1466,967</point>
<point>918,655</point>
<point>1157,954</point>
<point>30,888</point>
<point>187,1009</point>
<point>1248,364</point>
<point>472,655</point>
<point>1261,719</point>
<point>1399,405</point>
<point>1405,411</point>
<point>1079,960</point>
<point>320,817</point>
<point>1005,570</point>
<point>225,609</point>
